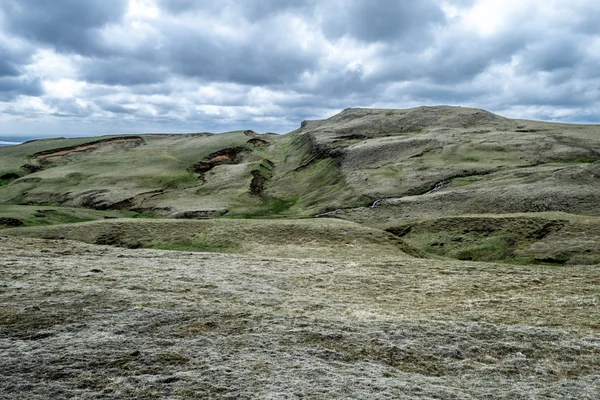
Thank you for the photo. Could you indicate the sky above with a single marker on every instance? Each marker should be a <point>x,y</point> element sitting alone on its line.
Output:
<point>75,68</point>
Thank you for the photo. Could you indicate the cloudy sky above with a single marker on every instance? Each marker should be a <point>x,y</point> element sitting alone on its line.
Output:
<point>74,67</point>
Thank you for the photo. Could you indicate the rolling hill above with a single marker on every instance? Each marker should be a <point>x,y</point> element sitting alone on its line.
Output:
<point>385,169</point>
<point>436,252</point>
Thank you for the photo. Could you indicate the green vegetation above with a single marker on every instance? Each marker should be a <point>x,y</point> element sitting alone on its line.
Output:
<point>492,249</point>
<point>52,215</point>
<point>542,238</point>
<point>270,207</point>
<point>177,181</point>
<point>472,267</point>
<point>276,237</point>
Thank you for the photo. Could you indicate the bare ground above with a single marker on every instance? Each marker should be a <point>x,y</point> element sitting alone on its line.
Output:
<point>83,321</point>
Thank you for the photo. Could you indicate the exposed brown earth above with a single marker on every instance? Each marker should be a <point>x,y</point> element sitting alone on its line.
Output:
<point>258,142</point>
<point>87,147</point>
<point>221,157</point>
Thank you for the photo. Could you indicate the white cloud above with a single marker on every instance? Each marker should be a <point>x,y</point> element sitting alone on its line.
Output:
<point>181,65</point>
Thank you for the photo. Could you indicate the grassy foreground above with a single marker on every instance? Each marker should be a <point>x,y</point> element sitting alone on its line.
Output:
<point>91,322</point>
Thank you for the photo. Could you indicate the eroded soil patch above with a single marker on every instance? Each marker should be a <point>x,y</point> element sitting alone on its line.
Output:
<point>258,142</point>
<point>130,140</point>
<point>231,155</point>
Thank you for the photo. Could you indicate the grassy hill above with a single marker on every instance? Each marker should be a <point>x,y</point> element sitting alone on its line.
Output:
<point>436,252</point>
<point>480,162</point>
<point>380,168</point>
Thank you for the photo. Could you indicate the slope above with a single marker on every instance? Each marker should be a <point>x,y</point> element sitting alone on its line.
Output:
<point>415,163</point>
<point>283,238</point>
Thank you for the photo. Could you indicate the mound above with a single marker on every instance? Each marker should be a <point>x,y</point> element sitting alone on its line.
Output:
<point>283,238</point>
<point>543,238</point>
<point>124,142</point>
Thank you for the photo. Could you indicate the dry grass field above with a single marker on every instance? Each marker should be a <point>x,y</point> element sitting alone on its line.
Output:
<point>89,322</point>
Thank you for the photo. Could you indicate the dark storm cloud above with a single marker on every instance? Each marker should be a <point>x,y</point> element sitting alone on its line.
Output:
<point>121,71</point>
<point>427,92</point>
<point>553,54</point>
<point>385,20</point>
<point>259,59</point>
<point>223,63</point>
<point>250,10</point>
<point>69,108</point>
<point>260,9</point>
<point>11,61</point>
<point>337,83</point>
<point>248,54</point>
<point>68,25</point>
<point>463,58</point>
<point>118,109</point>
<point>12,87</point>
<point>180,6</point>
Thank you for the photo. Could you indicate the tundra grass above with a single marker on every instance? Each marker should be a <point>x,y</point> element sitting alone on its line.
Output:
<point>81,321</point>
<point>526,238</point>
<point>272,237</point>
<point>52,215</point>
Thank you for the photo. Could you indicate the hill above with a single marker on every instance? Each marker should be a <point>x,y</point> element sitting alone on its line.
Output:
<point>436,252</point>
<point>478,162</point>
<point>380,168</point>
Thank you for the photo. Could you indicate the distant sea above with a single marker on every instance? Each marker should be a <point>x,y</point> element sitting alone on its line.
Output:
<point>13,140</point>
<point>6,143</point>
